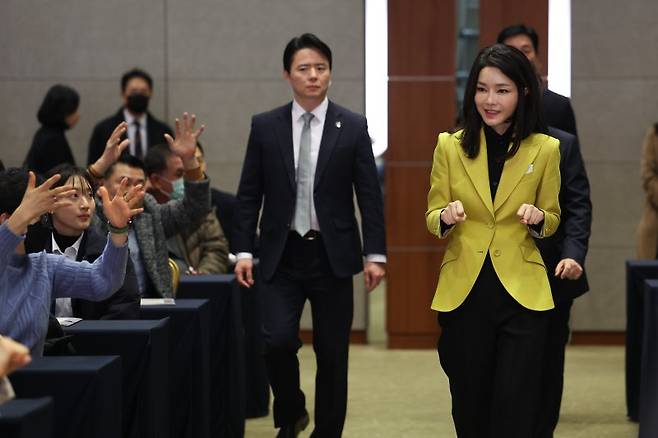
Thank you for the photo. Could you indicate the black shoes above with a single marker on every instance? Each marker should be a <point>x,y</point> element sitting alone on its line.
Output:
<point>292,430</point>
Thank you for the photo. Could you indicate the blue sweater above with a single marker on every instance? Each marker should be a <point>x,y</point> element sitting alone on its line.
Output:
<point>28,283</point>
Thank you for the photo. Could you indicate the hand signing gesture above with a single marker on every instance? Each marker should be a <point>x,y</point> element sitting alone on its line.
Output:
<point>529,214</point>
<point>38,201</point>
<point>117,210</point>
<point>113,149</point>
<point>453,213</point>
<point>184,145</point>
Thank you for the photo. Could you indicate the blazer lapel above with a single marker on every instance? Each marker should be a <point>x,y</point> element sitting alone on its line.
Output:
<point>477,170</point>
<point>514,170</point>
<point>330,134</point>
<point>284,135</point>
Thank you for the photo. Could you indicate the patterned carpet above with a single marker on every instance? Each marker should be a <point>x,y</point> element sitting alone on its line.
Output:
<point>402,393</point>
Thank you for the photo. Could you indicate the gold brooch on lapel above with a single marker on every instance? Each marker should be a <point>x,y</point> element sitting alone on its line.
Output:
<point>338,124</point>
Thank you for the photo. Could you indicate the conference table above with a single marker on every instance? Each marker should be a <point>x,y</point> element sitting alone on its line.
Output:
<point>189,364</point>
<point>227,360</point>
<point>637,272</point>
<point>27,418</point>
<point>86,393</point>
<point>144,350</point>
<point>649,366</point>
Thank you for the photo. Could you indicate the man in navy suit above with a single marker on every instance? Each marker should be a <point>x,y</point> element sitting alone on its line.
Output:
<point>564,252</point>
<point>304,162</point>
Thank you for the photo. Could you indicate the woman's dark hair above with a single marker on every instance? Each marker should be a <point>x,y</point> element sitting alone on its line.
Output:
<point>135,73</point>
<point>67,171</point>
<point>60,102</point>
<point>304,41</point>
<point>527,118</point>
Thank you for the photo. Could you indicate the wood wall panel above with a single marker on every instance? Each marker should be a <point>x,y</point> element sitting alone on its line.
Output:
<point>412,277</point>
<point>420,110</point>
<point>498,14</point>
<point>422,42</point>
<point>421,37</point>
<point>406,203</point>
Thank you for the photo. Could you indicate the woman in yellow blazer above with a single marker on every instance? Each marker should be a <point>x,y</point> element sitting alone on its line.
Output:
<point>495,185</point>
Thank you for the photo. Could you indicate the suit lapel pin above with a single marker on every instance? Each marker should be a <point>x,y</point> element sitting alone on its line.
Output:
<point>338,124</point>
<point>531,168</point>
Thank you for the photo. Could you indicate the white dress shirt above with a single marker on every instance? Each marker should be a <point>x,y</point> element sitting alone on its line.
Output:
<point>6,390</point>
<point>317,126</point>
<point>63,306</point>
<point>130,120</point>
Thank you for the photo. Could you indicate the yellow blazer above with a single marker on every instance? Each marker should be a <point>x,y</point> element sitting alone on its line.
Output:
<point>532,176</point>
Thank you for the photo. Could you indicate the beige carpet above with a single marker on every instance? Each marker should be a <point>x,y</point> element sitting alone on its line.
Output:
<point>400,393</point>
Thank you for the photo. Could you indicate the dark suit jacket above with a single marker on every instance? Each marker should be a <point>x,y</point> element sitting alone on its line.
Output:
<point>572,236</point>
<point>345,165</point>
<point>49,148</point>
<point>103,129</point>
<point>123,304</point>
<point>558,112</point>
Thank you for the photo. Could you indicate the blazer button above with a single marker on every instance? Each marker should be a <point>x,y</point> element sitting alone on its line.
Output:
<point>490,225</point>
<point>497,253</point>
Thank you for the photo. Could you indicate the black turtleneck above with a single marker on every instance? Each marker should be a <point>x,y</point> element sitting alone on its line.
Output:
<point>497,147</point>
<point>64,241</point>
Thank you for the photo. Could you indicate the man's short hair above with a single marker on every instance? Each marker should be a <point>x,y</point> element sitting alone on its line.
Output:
<point>155,160</point>
<point>135,73</point>
<point>519,29</point>
<point>13,183</point>
<point>128,160</point>
<point>304,41</point>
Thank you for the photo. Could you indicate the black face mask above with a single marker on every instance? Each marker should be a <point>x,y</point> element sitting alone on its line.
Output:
<point>138,103</point>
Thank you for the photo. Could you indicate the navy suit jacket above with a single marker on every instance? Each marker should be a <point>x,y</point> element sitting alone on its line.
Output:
<point>345,166</point>
<point>558,112</point>
<point>572,236</point>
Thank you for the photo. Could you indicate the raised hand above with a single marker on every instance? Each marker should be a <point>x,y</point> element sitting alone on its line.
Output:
<point>38,201</point>
<point>114,146</point>
<point>453,213</point>
<point>529,214</point>
<point>184,145</point>
<point>117,210</point>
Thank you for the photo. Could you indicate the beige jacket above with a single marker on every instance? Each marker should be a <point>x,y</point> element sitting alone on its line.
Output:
<point>647,231</point>
<point>205,249</point>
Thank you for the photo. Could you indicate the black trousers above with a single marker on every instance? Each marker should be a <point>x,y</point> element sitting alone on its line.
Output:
<point>553,374</point>
<point>491,349</point>
<point>304,273</point>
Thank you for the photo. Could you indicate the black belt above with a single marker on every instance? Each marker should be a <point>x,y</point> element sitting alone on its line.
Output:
<point>312,235</point>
